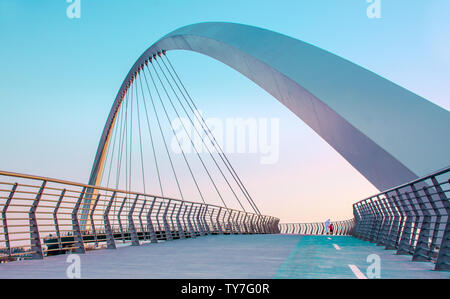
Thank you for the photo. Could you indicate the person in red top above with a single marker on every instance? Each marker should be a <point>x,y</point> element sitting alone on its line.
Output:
<point>331,228</point>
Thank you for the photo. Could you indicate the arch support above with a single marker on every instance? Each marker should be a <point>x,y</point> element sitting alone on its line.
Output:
<point>389,134</point>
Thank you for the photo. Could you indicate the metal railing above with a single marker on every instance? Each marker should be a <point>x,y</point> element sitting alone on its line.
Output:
<point>340,228</point>
<point>412,218</point>
<point>43,216</point>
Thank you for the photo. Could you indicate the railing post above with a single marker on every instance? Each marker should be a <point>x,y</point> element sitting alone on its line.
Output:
<point>111,243</point>
<point>199,222</point>
<point>186,230</point>
<point>157,217</point>
<point>237,224</point>
<point>264,224</point>
<point>77,235</point>
<point>119,220</point>
<point>252,224</point>
<point>91,216</point>
<point>261,225</point>
<point>36,245</point>
<point>402,221</point>
<point>55,218</point>
<point>132,226</point>
<point>172,228</point>
<point>5,221</point>
<point>219,226</point>
<point>417,220</point>
<point>406,236</point>
<point>437,223</point>
<point>394,234</point>
<point>269,225</point>
<point>371,217</point>
<point>386,227</point>
<point>244,223</point>
<point>211,214</point>
<point>422,251</point>
<point>358,217</point>
<point>191,228</point>
<point>141,211</point>
<point>166,224</point>
<point>150,227</point>
<point>230,225</point>
<point>276,230</point>
<point>443,260</point>
<point>378,221</point>
<point>180,227</point>
<point>208,231</point>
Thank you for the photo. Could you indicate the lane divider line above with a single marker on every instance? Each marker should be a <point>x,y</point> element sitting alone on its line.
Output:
<point>357,272</point>
<point>337,247</point>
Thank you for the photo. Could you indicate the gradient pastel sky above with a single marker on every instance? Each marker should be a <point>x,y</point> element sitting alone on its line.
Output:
<point>59,76</point>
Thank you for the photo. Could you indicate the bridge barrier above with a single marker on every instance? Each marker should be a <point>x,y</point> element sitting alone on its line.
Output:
<point>340,228</point>
<point>412,219</point>
<point>43,216</point>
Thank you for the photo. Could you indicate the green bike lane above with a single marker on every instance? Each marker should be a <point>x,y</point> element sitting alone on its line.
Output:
<point>345,257</point>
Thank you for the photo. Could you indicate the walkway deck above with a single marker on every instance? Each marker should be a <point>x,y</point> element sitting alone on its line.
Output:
<point>232,256</point>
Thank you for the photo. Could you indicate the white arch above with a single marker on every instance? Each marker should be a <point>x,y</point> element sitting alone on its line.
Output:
<point>389,134</point>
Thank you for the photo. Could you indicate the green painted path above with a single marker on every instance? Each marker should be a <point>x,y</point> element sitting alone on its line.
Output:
<point>331,257</point>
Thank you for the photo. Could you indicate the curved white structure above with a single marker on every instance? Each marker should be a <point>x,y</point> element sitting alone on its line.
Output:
<point>389,134</point>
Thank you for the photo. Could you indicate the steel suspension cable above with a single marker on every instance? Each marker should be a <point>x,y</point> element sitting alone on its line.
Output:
<point>176,138</point>
<point>120,150</point>
<point>140,142</point>
<point>162,134</point>
<point>187,133</point>
<point>198,133</point>
<point>128,202</point>
<point>213,139</point>
<point>151,138</point>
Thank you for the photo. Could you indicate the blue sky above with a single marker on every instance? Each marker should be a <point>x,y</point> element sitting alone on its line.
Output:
<point>59,76</point>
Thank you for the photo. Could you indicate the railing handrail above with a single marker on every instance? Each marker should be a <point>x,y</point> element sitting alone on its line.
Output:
<point>421,179</point>
<point>72,183</point>
<point>412,218</point>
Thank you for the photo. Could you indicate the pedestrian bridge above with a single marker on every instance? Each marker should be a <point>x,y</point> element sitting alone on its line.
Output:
<point>230,257</point>
<point>118,229</point>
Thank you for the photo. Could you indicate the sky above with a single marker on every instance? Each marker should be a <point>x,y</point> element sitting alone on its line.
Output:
<point>59,77</point>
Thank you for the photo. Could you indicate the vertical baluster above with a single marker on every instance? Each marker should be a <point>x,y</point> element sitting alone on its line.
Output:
<point>166,224</point>
<point>91,216</point>
<point>191,228</point>
<point>443,260</point>
<point>110,241</point>
<point>4,218</point>
<point>150,226</point>
<point>219,226</point>
<point>119,220</point>
<point>172,228</point>
<point>438,219</point>
<point>406,236</point>
<point>422,251</point>
<point>36,245</point>
<point>55,219</point>
<point>131,226</point>
<point>141,222</point>
<point>180,227</point>
<point>205,212</point>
